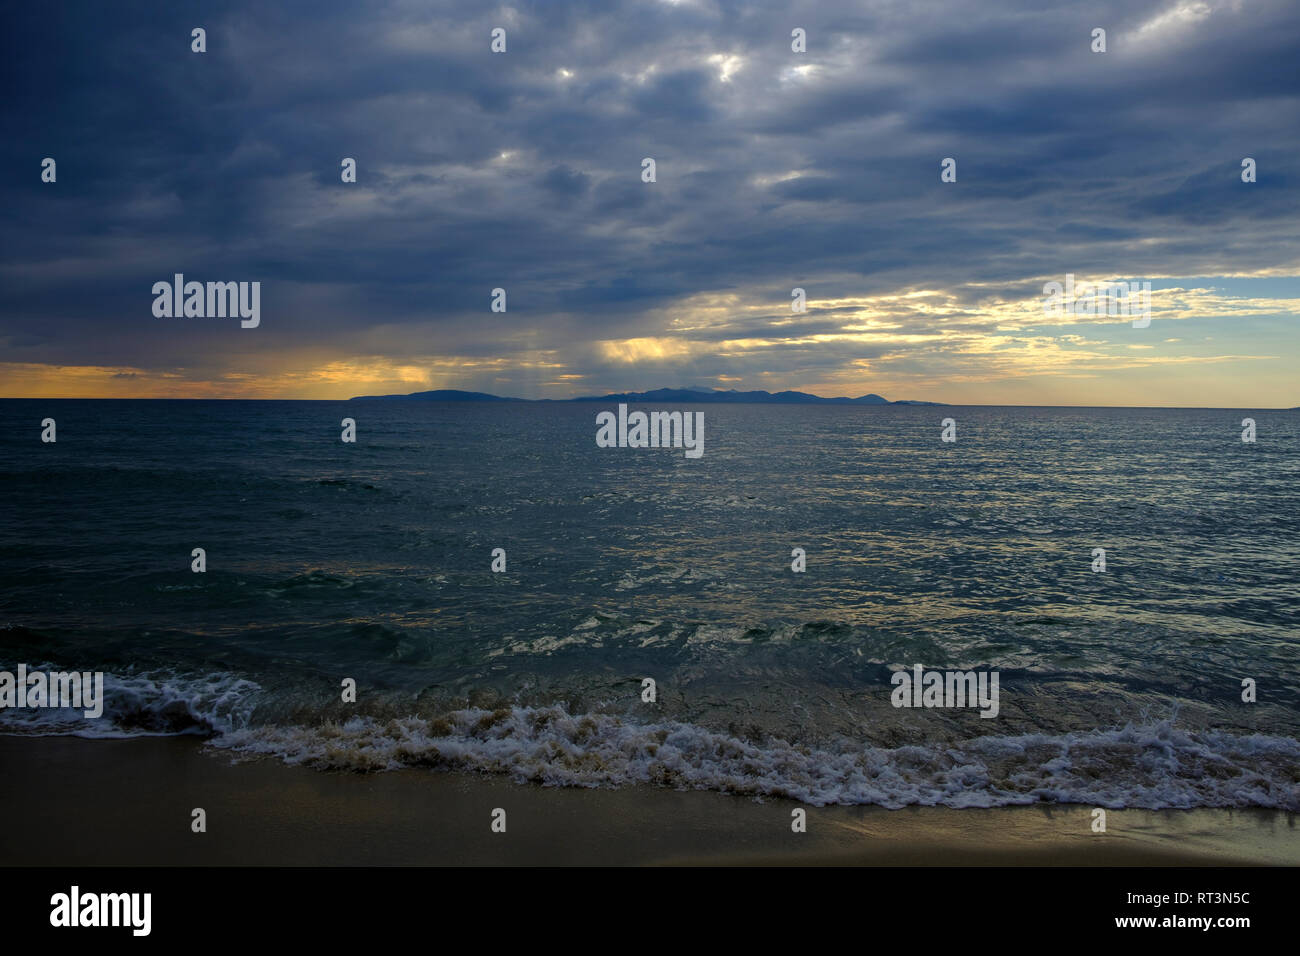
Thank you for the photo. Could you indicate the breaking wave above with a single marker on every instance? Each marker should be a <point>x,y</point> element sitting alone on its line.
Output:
<point>1152,765</point>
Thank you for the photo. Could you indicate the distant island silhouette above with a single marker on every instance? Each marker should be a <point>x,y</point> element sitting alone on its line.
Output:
<point>693,395</point>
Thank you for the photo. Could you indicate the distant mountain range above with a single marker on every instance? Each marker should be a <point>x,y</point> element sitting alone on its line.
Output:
<point>696,396</point>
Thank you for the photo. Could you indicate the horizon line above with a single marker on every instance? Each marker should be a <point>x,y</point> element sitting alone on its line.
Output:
<point>559,401</point>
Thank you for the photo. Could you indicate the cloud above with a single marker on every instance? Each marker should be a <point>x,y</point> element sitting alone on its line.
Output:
<point>522,171</point>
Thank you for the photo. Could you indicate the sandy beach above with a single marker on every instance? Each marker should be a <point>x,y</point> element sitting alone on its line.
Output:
<point>129,802</point>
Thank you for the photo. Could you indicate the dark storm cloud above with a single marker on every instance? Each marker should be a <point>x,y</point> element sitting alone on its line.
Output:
<point>523,170</point>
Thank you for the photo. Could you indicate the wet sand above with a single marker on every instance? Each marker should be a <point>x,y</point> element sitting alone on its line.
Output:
<point>73,802</point>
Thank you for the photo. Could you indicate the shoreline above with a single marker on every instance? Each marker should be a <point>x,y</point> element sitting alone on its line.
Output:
<point>79,802</point>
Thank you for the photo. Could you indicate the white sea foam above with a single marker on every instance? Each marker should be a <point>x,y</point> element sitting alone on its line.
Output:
<point>1152,765</point>
<point>146,704</point>
<point>1155,766</point>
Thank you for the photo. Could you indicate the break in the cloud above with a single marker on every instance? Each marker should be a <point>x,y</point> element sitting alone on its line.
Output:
<point>775,170</point>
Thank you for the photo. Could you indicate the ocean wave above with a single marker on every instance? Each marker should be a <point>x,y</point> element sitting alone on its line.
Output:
<point>146,704</point>
<point>1151,767</point>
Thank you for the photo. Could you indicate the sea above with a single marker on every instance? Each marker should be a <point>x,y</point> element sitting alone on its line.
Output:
<point>648,629</point>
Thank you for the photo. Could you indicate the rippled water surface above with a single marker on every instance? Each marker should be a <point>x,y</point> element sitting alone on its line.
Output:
<point>372,561</point>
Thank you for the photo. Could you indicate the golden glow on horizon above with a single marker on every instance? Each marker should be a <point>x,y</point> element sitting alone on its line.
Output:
<point>982,343</point>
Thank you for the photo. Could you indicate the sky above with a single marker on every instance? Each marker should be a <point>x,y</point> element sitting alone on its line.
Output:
<point>774,170</point>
